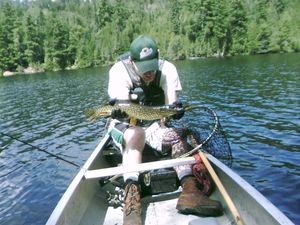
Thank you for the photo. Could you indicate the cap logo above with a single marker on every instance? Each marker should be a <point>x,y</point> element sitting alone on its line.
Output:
<point>146,52</point>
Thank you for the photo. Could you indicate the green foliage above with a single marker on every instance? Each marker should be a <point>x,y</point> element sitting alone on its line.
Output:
<point>175,16</point>
<point>238,28</point>
<point>34,52</point>
<point>8,48</point>
<point>62,34</point>
<point>57,45</point>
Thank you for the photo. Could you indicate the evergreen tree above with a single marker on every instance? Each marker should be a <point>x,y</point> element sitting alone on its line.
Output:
<point>103,13</point>
<point>120,14</point>
<point>18,45</point>
<point>175,16</point>
<point>238,27</point>
<point>57,45</point>
<point>279,5</point>
<point>3,65</point>
<point>8,54</point>
<point>62,33</point>
<point>33,41</point>
<point>220,27</point>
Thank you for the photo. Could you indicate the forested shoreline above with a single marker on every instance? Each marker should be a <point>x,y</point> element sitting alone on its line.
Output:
<point>47,35</point>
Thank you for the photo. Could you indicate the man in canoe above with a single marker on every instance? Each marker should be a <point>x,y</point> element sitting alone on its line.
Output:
<point>141,76</point>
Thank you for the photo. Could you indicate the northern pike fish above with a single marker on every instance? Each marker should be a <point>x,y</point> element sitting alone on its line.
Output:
<point>137,111</point>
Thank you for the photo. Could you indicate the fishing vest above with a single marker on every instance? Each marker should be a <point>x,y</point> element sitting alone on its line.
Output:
<point>151,94</point>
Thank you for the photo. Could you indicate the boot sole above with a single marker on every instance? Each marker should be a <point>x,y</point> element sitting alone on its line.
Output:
<point>200,211</point>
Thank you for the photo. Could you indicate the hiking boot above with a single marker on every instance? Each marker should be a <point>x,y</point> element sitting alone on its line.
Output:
<point>193,201</point>
<point>132,208</point>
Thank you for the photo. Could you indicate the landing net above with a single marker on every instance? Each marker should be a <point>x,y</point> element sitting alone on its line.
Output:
<point>209,136</point>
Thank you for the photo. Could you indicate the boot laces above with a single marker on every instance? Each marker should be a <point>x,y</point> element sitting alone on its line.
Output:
<point>132,198</point>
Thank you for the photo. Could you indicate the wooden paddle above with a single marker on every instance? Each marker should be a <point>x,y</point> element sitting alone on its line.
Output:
<point>222,189</point>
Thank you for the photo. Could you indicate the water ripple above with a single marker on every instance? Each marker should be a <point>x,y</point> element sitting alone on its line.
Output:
<point>257,99</point>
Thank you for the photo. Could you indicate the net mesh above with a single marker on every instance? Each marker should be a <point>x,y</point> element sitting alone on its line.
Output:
<point>210,136</point>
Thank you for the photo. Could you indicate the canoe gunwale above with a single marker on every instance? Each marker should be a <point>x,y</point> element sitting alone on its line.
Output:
<point>277,215</point>
<point>57,213</point>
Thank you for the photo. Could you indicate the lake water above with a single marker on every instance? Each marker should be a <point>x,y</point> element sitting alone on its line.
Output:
<point>257,99</point>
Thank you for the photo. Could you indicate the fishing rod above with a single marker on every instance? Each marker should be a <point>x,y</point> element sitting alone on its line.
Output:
<point>40,149</point>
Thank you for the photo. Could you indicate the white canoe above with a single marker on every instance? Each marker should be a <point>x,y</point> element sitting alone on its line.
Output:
<point>84,202</point>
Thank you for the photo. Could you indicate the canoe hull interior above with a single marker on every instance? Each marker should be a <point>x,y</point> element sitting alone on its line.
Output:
<point>85,203</point>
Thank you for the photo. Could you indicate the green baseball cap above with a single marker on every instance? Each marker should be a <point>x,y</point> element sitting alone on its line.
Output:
<point>143,51</point>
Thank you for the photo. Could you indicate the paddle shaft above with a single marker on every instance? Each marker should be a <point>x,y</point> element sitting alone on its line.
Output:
<point>222,189</point>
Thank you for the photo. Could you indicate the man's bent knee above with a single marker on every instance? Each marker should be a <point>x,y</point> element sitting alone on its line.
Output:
<point>135,136</point>
<point>134,132</point>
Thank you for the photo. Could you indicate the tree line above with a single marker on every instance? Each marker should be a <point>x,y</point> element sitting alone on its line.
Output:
<point>62,34</point>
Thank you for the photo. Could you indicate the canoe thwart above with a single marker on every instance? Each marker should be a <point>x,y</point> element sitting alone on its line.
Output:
<point>106,172</point>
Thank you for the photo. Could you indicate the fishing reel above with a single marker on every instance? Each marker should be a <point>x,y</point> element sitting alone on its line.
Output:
<point>114,191</point>
<point>152,183</point>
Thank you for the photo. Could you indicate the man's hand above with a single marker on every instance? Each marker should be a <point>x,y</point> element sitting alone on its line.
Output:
<point>117,113</point>
<point>112,101</point>
<point>180,110</point>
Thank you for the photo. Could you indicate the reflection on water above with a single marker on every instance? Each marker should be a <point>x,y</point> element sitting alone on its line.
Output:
<point>257,99</point>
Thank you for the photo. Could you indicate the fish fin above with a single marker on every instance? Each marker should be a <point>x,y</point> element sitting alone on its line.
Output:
<point>133,121</point>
